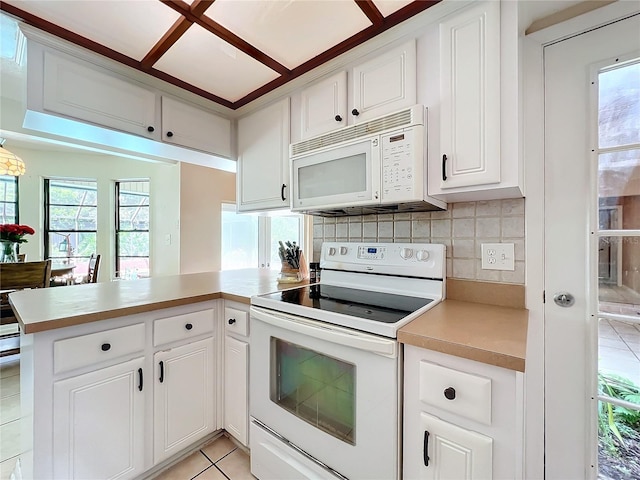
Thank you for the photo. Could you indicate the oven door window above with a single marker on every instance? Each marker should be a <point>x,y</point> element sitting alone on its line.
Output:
<point>315,388</point>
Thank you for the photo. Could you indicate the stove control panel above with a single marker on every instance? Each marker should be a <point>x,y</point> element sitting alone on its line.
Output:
<point>411,259</point>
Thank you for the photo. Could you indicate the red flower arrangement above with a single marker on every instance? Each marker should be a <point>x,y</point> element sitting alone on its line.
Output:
<point>15,233</point>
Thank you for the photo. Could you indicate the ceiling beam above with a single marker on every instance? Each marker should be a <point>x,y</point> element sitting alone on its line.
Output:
<point>166,42</point>
<point>371,11</point>
<point>226,35</point>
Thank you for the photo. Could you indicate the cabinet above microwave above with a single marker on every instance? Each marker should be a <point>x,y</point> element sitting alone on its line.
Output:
<point>376,166</point>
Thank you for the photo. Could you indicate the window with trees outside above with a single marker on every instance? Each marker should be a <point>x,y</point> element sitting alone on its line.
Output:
<point>70,221</point>
<point>132,229</point>
<point>8,199</point>
<point>250,241</point>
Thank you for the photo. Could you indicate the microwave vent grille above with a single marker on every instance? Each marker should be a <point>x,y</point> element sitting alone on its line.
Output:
<point>403,118</point>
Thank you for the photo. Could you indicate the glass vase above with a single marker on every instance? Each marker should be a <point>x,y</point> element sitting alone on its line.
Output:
<point>8,251</point>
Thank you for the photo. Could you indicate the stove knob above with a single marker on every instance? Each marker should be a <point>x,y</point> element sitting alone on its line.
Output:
<point>423,255</point>
<point>332,251</point>
<point>406,253</point>
<point>343,250</point>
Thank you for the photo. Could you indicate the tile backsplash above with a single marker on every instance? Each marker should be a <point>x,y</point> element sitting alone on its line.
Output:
<point>462,228</point>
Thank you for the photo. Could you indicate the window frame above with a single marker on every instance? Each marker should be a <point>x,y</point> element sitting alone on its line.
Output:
<point>4,202</point>
<point>118,230</point>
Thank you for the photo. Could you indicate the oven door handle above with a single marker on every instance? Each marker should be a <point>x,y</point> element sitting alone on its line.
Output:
<point>330,333</point>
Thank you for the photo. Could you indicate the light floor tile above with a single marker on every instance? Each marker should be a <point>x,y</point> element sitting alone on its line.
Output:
<point>188,468</point>
<point>236,465</point>
<point>9,440</point>
<point>211,473</point>
<point>6,468</point>
<point>217,449</point>
<point>9,386</point>
<point>9,409</point>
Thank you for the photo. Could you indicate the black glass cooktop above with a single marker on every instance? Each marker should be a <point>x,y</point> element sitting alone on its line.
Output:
<point>376,306</point>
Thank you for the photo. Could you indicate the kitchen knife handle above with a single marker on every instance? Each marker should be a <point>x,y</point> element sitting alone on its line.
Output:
<point>282,192</point>
<point>161,371</point>
<point>425,448</point>
<point>444,167</point>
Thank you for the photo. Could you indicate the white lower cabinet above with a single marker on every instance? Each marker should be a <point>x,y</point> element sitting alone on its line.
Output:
<point>236,371</point>
<point>99,423</point>
<point>184,397</point>
<point>462,418</point>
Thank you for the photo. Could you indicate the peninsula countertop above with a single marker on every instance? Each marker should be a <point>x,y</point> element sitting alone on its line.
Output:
<point>48,308</point>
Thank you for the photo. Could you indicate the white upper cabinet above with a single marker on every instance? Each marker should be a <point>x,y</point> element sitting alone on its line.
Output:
<point>95,95</point>
<point>263,159</point>
<point>384,84</point>
<point>478,156</point>
<point>324,106</point>
<point>193,127</point>
<point>470,97</point>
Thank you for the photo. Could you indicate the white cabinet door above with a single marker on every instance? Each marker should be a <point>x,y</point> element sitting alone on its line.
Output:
<point>193,127</point>
<point>324,106</point>
<point>263,159</point>
<point>99,423</point>
<point>95,95</point>
<point>384,84</point>
<point>184,397</point>
<point>451,452</point>
<point>470,98</point>
<point>236,377</point>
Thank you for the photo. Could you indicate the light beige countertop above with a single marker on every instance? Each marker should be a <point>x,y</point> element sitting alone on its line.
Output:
<point>57,307</point>
<point>490,334</point>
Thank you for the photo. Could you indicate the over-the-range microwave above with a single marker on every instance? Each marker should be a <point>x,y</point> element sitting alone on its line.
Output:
<point>378,166</point>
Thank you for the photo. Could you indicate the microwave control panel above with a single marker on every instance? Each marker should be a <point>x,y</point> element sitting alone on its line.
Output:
<point>399,153</point>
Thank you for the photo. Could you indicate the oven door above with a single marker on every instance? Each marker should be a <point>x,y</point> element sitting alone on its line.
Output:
<point>330,391</point>
<point>344,176</point>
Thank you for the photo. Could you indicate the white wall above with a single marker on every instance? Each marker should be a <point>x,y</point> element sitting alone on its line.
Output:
<point>105,169</point>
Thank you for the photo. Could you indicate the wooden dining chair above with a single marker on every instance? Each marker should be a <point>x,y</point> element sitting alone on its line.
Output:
<point>92,271</point>
<point>18,276</point>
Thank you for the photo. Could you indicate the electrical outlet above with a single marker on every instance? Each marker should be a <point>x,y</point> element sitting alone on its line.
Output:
<point>498,256</point>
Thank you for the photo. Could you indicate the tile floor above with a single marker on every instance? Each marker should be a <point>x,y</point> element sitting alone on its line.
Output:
<point>220,459</point>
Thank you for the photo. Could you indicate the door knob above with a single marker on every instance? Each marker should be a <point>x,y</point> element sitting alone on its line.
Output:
<point>564,299</point>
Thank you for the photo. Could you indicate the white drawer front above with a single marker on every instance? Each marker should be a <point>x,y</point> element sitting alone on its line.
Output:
<point>236,321</point>
<point>181,327</point>
<point>461,393</point>
<point>94,348</point>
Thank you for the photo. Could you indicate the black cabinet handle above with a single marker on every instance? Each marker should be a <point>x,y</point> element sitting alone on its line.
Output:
<point>444,168</point>
<point>150,129</point>
<point>282,192</point>
<point>188,326</point>
<point>425,449</point>
<point>161,371</point>
<point>355,112</point>
<point>232,321</point>
<point>106,347</point>
<point>338,118</point>
<point>140,379</point>
<point>169,134</point>
<point>450,393</point>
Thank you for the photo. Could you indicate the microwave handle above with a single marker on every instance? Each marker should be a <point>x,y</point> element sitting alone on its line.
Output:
<point>282,192</point>
<point>381,346</point>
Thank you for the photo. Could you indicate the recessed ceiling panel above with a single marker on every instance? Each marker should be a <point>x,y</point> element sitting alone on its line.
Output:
<point>387,7</point>
<point>293,31</point>
<point>131,28</point>
<point>208,62</point>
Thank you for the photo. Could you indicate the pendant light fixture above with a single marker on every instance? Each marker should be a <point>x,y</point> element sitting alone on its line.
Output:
<point>10,163</point>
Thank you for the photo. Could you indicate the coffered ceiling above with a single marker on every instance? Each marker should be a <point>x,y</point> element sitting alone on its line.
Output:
<point>228,51</point>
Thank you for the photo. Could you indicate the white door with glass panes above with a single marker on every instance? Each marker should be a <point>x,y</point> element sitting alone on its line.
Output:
<point>592,253</point>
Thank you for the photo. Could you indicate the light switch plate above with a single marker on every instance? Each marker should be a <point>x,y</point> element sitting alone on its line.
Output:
<point>498,256</point>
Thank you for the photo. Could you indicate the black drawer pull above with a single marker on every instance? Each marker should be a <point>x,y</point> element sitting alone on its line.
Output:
<point>106,347</point>
<point>161,371</point>
<point>282,192</point>
<point>150,129</point>
<point>355,112</point>
<point>232,321</point>
<point>188,326</point>
<point>450,393</point>
<point>169,134</point>
<point>338,118</point>
<point>425,448</point>
<point>140,379</point>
